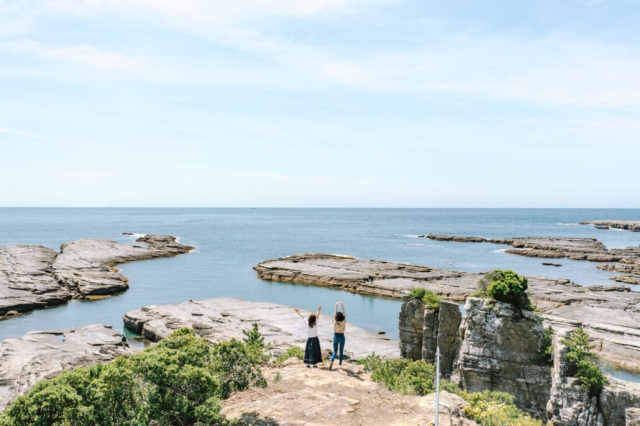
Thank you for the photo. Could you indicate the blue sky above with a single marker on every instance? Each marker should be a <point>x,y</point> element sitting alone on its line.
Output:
<point>319,103</point>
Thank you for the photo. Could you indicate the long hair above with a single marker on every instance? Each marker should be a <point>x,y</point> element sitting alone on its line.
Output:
<point>312,320</point>
<point>339,316</point>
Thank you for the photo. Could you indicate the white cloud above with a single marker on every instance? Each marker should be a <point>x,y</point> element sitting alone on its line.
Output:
<point>21,133</point>
<point>558,70</point>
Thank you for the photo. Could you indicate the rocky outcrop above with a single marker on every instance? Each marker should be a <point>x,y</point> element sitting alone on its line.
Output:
<point>548,247</point>
<point>33,277</point>
<point>42,355</point>
<point>499,351</point>
<point>225,318</point>
<point>627,225</point>
<point>570,403</point>
<point>611,315</point>
<point>423,329</point>
<point>296,396</point>
<point>26,281</point>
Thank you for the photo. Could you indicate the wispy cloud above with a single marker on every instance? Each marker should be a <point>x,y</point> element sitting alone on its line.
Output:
<point>21,133</point>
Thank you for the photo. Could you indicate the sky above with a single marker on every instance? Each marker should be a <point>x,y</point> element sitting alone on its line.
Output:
<point>320,103</point>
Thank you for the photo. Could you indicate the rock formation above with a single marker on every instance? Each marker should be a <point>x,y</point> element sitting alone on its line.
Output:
<point>611,315</point>
<point>296,395</point>
<point>226,318</point>
<point>570,403</point>
<point>34,277</point>
<point>42,355</point>
<point>628,225</point>
<point>499,351</point>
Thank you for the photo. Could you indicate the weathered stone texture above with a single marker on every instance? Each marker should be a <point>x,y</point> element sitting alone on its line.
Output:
<point>498,352</point>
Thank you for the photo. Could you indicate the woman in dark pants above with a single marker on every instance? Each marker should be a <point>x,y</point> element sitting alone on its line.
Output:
<point>339,326</point>
<point>312,352</point>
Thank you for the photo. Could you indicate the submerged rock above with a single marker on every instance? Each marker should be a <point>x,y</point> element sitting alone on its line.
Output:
<point>42,355</point>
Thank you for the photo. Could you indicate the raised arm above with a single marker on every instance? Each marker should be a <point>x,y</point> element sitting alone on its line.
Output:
<point>343,310</point>
<point>335,311</point>
<point>318,315</point>
<point>298,312</point>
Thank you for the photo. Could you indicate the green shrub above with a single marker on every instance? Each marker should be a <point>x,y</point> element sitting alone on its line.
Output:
<point>255,344</point>
<point>370,362</point>
<point>405,376</point>
<point>583,363</point>
<point>545,354</point>
<point>427,297</point>
<point>495,409</point>
<point>418,378</point>
<point>178,381</point>
<point>290,353</point>
<point>505,286</point>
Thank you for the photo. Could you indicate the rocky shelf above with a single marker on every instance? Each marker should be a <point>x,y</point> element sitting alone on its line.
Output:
<point>628,225</point>
<point>611,315</point>
<point>225,318</point>
<point>35,277</point>
<point>625,260</point>
<point>42,355</point>
<point>296,396</point>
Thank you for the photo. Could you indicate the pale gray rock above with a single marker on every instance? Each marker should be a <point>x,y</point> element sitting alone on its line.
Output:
<point>41,355</point>
<point>628,225</point>
<point>499,351</point>
<point>225,318</point>
<point>632,417</point>
<point>429,334</point>
<point>449,318</point>
<point>611,315</point>
<point>26,282</point>
<point>34,277</point>
<point>411,326</point>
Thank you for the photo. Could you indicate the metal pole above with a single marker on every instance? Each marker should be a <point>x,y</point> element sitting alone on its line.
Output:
<point>437,383</point>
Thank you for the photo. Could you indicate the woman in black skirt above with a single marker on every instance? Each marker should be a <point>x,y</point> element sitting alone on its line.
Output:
<point>312,352</point>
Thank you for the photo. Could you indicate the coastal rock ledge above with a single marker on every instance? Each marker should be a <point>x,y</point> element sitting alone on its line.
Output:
<point>611,315</point>
<point>35,277</point>
<point>226,318</point>
<point>41,355</point>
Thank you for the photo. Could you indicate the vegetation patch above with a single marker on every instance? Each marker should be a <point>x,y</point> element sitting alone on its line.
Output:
<point>427,297</point>
<point>290,353</point>
<point>179,381</point>
<point>505,286</point>
<point>583,363</point>
<point>418,378</point>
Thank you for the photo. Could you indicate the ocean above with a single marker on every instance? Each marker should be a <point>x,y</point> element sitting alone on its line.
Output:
<point>230,241</point>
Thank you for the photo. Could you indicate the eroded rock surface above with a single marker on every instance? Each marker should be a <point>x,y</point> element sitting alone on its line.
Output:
<point>498,351</point>
<point>629,225</point>
<point>34,277</point>
<point>610,314</point>
<point>225,318</point>
<point>42,355</point>
<point>571,404</point>
<point>300,396</point>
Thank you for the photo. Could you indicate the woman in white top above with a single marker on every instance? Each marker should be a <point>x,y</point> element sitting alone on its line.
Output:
<point>312,352</point>
<point>339,326</point>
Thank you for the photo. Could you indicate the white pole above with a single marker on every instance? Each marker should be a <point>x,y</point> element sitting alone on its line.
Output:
<point>437,383</point>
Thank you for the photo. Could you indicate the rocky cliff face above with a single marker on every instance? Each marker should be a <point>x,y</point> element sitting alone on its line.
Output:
<point>570,403</point>
<point>422,329</point>
<point>497,348</point>
<point>499,351</point>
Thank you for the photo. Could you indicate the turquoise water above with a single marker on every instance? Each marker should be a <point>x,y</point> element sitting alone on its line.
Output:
<point>230,242</point>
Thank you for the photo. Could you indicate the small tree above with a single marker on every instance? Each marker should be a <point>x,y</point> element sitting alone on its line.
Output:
<point>255,344</point>
<point>505,286</point>
<point>583,363</point>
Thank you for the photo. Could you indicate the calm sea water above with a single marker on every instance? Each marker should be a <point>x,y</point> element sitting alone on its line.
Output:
<point>230,242</point>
